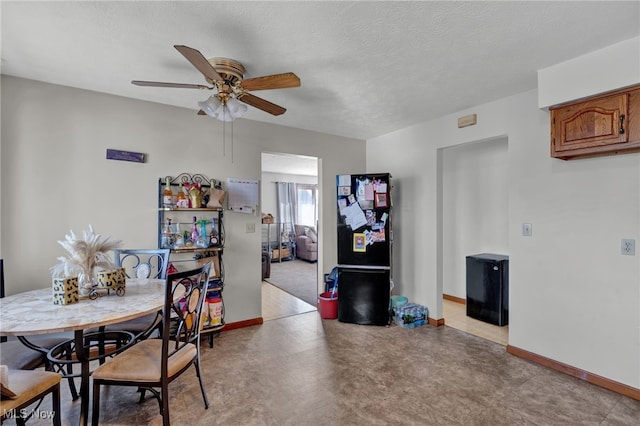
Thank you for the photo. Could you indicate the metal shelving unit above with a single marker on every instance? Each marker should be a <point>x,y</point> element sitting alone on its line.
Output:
<point>186,257</point>
<point>279,249</point>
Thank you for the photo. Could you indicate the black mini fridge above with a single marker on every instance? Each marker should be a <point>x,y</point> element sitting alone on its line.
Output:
<point>488,288</point>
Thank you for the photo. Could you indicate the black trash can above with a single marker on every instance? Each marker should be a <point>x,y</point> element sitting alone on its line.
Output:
<point>266,265</point>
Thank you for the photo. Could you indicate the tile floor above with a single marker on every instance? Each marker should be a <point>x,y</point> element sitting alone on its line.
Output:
<point>302,370</point>
<point>455,315</point>
<point>277,303</point>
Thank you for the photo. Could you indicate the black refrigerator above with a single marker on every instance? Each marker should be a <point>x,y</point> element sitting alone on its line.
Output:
<point>364,247</point>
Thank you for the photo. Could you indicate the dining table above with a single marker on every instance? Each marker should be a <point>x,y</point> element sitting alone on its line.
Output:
<point>34,313</point>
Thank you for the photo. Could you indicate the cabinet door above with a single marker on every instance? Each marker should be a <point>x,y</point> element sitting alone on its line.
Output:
<point>589,124</point>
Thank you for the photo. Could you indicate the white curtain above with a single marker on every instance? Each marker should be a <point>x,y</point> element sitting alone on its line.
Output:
<point>287,205</point>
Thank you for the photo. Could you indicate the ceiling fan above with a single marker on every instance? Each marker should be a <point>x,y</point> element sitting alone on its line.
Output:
<point>226,78</point>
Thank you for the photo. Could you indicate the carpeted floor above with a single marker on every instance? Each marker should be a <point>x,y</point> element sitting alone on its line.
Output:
<point>296,277</point>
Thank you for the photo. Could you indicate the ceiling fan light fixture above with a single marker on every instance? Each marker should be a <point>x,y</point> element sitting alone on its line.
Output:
<point>223,109</point>
<point>236,109</point>
<point>226,77</point>
<point>212,106</point>
<point>225,115</point>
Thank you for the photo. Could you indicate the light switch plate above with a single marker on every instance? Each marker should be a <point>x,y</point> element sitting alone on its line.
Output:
<point>526,230</point>
<point>250,228</point>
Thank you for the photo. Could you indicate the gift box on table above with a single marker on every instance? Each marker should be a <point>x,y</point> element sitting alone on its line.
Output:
<point>111,279</point>
<point>65,290</point>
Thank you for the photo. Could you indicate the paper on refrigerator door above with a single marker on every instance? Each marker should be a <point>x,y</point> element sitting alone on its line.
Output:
<point>355,217</point>
<point>344,180</point>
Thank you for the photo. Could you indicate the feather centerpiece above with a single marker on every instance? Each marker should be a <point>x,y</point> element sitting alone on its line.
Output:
<point>84,256</point>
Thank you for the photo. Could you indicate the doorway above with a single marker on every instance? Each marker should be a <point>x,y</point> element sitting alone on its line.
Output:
<point>474,219</point>
<point>289,193</point>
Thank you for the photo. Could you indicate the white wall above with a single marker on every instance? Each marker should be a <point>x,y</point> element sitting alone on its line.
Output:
<point>268,190</point>
<point>474,207</point>
<point>56,178</point>
<point>603,70</point>
<point>573,297</point>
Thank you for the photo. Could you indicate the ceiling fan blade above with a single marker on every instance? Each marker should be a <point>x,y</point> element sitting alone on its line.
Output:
<point>260,103</point>
<point>176,85</point>
<point>200,62</point>
<point>276,81</point>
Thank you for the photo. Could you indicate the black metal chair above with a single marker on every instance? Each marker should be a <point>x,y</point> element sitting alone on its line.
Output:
<point>152,364</point>
<point>141,263</point>
<point>108,341</point>
<point>31,353</point>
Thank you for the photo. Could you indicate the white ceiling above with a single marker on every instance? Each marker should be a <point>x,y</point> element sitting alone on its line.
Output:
<point>367,68</point>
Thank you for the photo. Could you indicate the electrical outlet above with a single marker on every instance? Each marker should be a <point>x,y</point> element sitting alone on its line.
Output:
<point>526,230</point>
<point>628,247</point>
<point>251,228</point>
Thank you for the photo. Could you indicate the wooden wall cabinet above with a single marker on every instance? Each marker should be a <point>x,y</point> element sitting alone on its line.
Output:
<point>607,124</point>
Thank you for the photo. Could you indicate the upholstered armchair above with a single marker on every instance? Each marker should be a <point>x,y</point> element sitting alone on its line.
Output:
<point>306,243</point>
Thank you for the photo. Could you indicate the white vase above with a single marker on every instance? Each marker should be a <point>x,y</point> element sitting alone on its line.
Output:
<point>86,283</point>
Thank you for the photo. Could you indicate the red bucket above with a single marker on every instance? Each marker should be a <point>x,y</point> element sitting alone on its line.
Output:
<point>328,305</point>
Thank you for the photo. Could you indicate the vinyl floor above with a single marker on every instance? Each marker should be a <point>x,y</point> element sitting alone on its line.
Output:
<point>303,370</point>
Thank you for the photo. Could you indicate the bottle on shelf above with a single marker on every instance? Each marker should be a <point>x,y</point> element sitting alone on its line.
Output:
<point>167,240</point>
<point>182,202</point>
<point>213,235</point>
<point>203,240</point>
<point>167,194</point>
<point>179,237</point>
<point>194,231</point>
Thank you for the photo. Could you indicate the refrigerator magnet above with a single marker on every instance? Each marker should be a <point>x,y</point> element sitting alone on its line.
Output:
<point>344,180</point>
<point>368,192</point>
<point>359,242</point>
<point>371,217</point>
<point>381,200</point>
<point>365,204</point>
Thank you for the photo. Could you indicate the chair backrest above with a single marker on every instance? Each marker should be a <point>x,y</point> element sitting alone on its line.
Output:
<point>181,322</point>
<point>143,263</point>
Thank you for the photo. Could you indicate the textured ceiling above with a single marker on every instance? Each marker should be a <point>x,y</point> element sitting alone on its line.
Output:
<point>367,68</point>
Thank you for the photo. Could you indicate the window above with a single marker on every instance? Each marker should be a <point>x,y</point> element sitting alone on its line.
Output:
<point>307,208</point>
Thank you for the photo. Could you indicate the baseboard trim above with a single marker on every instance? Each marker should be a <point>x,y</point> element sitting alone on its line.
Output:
<point>454,299</point>
<point>612,385</point>
<point>242,324</point>
<point>436,322</point>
